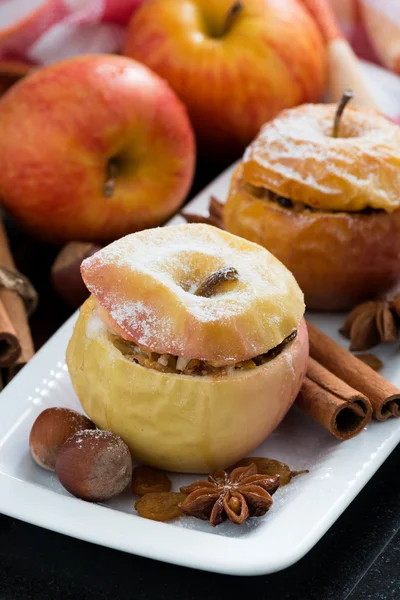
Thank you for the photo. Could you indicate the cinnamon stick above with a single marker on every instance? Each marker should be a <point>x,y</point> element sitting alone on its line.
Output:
<point>215,218</point>
<point>10,348</point>
<point>9,373</point>
<point>14,305</point>
<point>216,209</point>
<point>338,407</point>
<point>196,218</point>
<point>383,396</point>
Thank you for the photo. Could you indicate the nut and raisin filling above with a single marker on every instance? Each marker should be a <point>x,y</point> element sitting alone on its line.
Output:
<point>167,363</point>
<point>287,203</point>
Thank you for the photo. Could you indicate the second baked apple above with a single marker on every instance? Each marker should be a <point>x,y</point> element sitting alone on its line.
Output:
<point>327,207</point>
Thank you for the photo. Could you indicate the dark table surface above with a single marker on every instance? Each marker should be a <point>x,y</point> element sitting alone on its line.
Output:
<point>359,558</point>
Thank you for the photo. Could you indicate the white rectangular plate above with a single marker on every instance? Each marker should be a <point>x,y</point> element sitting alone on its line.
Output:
<point>302,511</point>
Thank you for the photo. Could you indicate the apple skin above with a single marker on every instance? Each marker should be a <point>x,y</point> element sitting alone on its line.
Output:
<point>60,126</point>
<point>179,422</point>
<point>272,57</point>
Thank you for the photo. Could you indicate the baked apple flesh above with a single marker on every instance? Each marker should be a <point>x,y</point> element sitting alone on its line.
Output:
<point>320,190</point>
<point>182,422</point>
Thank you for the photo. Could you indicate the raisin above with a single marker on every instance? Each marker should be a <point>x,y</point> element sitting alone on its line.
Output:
<point>161,506</point>
<point>270,466</point>
<point>246,365</point>
<point>194,367</point>
<point>285,202</point>
<point>146,480</point>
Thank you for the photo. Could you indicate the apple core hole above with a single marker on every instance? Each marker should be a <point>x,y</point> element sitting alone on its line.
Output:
<point>213,31</point>
<point>114,167</point>
<point>114,163</point>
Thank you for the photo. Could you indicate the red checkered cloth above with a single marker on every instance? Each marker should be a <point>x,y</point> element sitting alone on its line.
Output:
<point>55,29</point>
<point>373,29</point>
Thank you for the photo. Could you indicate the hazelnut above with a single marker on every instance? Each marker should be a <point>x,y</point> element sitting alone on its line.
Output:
<point>65,272</point>
<point>94,465</point>
<point>49,432</point>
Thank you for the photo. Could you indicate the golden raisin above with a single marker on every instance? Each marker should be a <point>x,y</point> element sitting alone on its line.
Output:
<point>146,480</point>
<point>161,506</point>
<point>270,466</point>
<point>139,358</point>
<point>246,365</point>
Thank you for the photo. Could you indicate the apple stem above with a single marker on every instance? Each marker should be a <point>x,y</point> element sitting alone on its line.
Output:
<point>347,96</point>
<point>109,186</point>
<point>206,288</point>
<point>231,15</point>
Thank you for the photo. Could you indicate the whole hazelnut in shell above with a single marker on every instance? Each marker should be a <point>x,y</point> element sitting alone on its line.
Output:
<point>51,430</point>
<point>94,465</point>
<point>65,273</point>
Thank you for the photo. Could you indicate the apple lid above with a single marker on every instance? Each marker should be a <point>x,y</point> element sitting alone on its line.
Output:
<point>296,156</point>
<point>146,284</point>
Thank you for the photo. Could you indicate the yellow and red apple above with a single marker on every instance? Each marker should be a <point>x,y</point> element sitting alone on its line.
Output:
<point>234,64</point>
<point>92,148</point>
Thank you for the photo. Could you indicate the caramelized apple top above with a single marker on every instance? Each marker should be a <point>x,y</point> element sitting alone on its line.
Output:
<point>296,156</point>
<point>145,284</point>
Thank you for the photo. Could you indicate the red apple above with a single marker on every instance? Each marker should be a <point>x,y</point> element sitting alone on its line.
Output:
<point>92,148</point>
<point>234,64</point>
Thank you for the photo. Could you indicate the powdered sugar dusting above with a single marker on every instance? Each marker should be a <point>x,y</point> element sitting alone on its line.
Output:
<point>144,319</point>
<point>97,437</point>
<point>146,281</point>
<point>289,360</point>
<point>95,325</point>
<point>295,154</point>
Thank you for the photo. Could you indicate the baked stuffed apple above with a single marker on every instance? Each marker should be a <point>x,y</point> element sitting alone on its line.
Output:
<point>324,200</point>
<point>191,347</point>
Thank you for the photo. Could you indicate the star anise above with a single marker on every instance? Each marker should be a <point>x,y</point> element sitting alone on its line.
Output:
<point>372,322</point>
<point>371,360</point>
<point>242,494</point>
